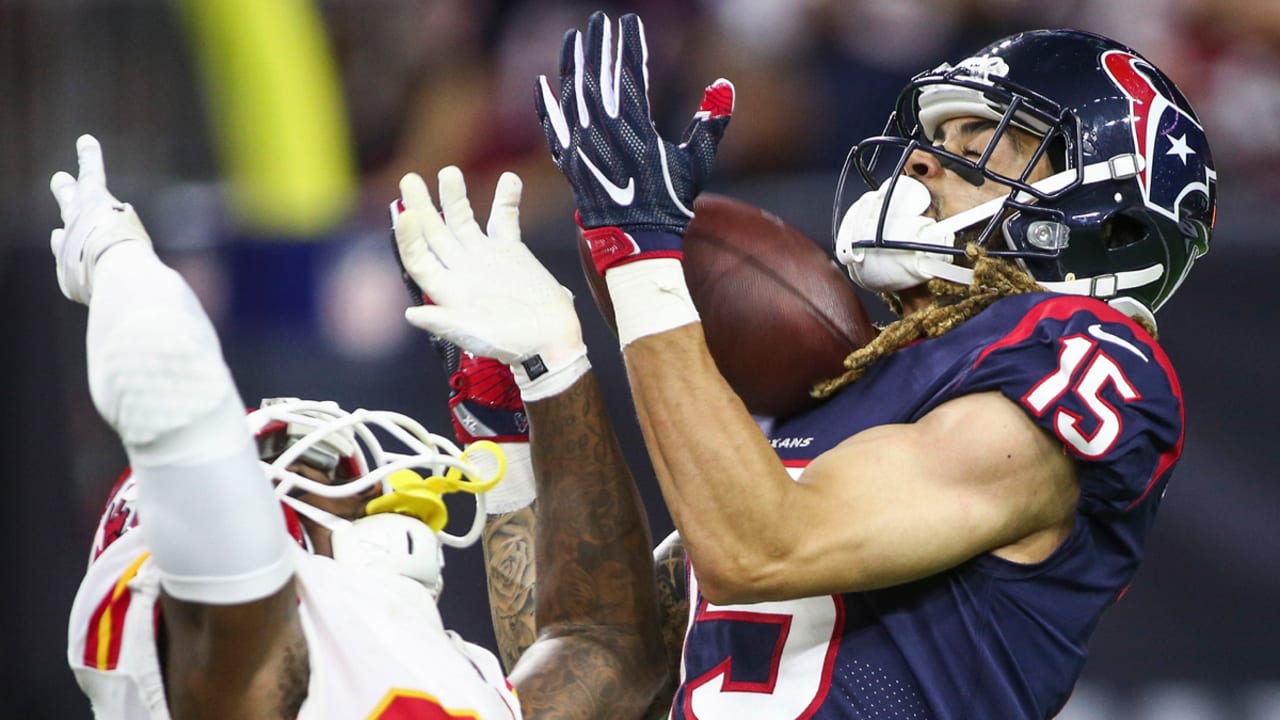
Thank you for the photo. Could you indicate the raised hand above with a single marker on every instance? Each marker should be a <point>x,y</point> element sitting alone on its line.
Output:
<point>488,293</point>
<point>484,402</point>
<point>634,190</point>
<point>93,220</point>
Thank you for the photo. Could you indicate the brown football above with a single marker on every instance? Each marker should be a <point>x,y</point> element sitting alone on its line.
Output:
<point>778,313</point>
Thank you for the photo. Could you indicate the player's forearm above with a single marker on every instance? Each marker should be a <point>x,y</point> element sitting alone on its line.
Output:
<point>596,608</point>
<point>511,574</point>
<point>593,549</point>
<point>584,675</point>
<point>673,607</point>
<point>722,482</point>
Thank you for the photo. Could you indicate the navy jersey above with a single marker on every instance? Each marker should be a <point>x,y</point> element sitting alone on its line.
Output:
<point>989,639</point>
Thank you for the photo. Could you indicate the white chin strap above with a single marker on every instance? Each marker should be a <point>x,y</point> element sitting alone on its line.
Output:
<point>891,269</point>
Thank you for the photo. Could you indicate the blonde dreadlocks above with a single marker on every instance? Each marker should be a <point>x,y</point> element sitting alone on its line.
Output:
<point>993,278</point>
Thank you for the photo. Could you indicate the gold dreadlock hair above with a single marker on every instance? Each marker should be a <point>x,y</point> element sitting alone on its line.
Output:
<point>993,278</point>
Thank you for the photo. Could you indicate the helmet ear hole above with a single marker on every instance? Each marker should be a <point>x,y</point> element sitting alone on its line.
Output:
<point>1122,230</point>
<point>1057,152</point>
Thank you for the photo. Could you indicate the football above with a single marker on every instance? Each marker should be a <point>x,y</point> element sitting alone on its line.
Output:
<point>778,313</point>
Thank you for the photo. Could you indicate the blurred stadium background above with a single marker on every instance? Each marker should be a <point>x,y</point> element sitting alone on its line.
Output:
<point>262,139</point>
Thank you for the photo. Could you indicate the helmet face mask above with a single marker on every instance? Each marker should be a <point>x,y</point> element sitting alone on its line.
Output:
<point>337,468</point>
<point>1130,203</point>
<point>357,452</point>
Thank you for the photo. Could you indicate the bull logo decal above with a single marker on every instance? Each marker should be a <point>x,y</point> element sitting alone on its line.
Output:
<point>1171,142</point>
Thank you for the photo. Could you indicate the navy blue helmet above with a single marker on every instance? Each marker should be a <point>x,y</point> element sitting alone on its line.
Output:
<point>1131,203</point>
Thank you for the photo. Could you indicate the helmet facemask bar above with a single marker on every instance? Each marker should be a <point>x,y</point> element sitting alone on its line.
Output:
<point>373,461</point>
<point>904,134</point>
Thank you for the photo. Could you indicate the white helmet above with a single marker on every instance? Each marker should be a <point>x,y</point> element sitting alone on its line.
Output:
<point>403,531</point>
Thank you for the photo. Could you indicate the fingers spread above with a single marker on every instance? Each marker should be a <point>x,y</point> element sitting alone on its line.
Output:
<point>598,59</point>
<point>415,195</point>
<point>440,321</point>
<point>409,242</point>
<point>635,50</point>
<point>504,218</point>
<point>609,70</point>
<point>553,122</point>
<point>702,138</point>
<point>595,44</point>
<point>567,64</point>
<point>633,65</point>
<point>458,214</point>
<point>413,189</point>
<point>419,261</point>
<point>412,226</point>
<point>579,81</point>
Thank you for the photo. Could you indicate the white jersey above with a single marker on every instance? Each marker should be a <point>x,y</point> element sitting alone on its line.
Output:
<point>376,644</point>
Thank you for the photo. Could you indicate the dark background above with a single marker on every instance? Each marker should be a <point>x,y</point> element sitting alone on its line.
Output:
<point>429,83</point>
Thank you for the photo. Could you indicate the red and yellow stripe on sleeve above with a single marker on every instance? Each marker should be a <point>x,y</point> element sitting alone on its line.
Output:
<point>106,626</point>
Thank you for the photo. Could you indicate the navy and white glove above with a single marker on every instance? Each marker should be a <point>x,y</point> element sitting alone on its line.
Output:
<point>634,190</point>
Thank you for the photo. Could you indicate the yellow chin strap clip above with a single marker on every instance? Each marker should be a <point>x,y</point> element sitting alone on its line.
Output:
<point>416,496</point>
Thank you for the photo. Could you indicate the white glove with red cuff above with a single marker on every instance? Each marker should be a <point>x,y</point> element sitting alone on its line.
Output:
<point>489,294</point>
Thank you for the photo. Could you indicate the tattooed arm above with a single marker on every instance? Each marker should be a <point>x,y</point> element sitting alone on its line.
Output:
<point>599,652</point>
<point>512,572</point>
<point>508,547</point>
<point>673,609</point>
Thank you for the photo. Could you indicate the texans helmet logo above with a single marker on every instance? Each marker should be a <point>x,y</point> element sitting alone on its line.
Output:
<point>1171,142</point>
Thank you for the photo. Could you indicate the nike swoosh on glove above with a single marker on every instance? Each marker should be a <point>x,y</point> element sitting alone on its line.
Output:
<point>634,190</point>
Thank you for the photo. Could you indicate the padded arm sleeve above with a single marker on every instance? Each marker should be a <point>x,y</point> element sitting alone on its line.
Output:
<point>157,376</point>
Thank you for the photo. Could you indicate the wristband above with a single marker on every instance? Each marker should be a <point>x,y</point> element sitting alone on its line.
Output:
<point>541,377</point>
<point>649,297</point>
<point>516,490</point>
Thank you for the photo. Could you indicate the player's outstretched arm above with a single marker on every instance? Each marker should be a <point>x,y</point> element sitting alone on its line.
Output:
<point>596,609</point>
<point>485,404</point>
<point>634,193</point>
<point>511,575</point>
<point>233,646</point>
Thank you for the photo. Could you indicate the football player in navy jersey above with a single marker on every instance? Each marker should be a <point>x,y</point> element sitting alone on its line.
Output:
<point>940,537</point>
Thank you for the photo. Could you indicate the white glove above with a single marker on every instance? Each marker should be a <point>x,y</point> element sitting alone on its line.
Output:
<point>93,221</point>
<point>489,294</point>
<point>889,269</point>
